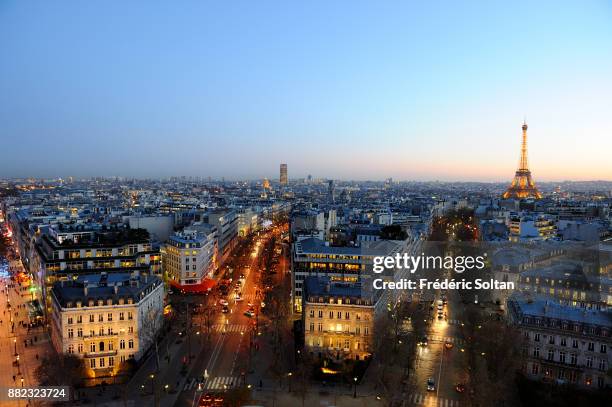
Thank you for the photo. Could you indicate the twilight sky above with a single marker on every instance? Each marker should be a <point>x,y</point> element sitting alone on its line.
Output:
<point>339,89</point>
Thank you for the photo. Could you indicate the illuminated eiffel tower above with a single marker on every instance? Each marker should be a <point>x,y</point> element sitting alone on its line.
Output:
<point>523,185</point>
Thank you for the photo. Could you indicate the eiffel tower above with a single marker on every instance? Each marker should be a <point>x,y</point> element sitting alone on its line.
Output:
<point>523,185</point>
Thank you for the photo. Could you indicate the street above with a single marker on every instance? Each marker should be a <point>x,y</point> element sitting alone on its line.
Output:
<point>235,336</point>
<point>20,347</point>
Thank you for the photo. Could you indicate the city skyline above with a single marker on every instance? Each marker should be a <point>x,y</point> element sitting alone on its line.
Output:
<point>402,91</point>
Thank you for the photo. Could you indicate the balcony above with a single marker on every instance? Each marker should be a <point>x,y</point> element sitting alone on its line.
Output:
<point>102,336</point>
<point>100,354</point>
<point>545,361</point>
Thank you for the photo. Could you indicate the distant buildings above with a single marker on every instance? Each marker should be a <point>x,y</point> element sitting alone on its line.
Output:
<point>106,319</point>
<point>226,223</point>
<point>248,221</point>
<point>313,223</point>
<point>563,344</point>
<point>526,228</point>
<point>160,227</point>
<point>283,174</point>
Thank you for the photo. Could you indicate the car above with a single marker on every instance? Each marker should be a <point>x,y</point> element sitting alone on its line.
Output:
<point>460,387</point>
<point>238,297</point>
<point>249,314</point>
<point>223,302</point>
<point>206,400</point>
<point>440,307</point>
<point>238,283</point>
<point>422,341</point>
<point>431,384</point>
<point>242,276</point>
<point>448,345</point>
<point>440,316</point>
<point>225,309</point>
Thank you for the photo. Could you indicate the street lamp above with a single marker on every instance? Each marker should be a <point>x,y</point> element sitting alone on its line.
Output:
<point>15,343</point>
<point>22,382</point>
<point>152,376</point>
<point>355,391</point>
<point>289,375</point>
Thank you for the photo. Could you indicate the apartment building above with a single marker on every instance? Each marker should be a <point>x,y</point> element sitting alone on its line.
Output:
<point>339,318</point>
<point>569,282</point>
<point>563,344</point>
<point>349,264</point>
<point>190,256</point>
<point>106,319</point>
<point>73,249</point>
<point>226,223</point>
<point>531,228</point>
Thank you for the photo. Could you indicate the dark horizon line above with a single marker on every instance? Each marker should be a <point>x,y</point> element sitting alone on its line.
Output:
<point>276,180</point>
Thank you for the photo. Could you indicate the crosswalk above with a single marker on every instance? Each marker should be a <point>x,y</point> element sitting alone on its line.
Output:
<point>438,338</point>
<point>190,384</point>
<point>231,328</point>
<point>430,400</point>
<point>221,382</point>
<point>250,297</point>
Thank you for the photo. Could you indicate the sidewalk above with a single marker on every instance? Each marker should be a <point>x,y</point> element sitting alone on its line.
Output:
<point>313,398</point>
<point>37,340</point>
<point>139,387</point>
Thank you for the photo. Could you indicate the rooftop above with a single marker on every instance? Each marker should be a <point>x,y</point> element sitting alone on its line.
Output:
<point>313,245</point>
<point>545,307</point>
<point>322,285</point>
<point>103,286</point>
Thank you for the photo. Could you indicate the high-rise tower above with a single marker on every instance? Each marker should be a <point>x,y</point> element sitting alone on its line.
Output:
<point>523,185</point>
<point>283,174</point>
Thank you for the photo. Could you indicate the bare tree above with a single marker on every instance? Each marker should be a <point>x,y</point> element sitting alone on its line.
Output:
<point>60,370</point>
<point>149,332</point>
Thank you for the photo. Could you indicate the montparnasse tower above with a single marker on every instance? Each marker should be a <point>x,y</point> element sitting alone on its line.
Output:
<point>523,185</point>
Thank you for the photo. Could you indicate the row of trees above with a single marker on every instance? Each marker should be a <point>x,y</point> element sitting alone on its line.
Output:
<point>395,346</point>
<point>493,348</point>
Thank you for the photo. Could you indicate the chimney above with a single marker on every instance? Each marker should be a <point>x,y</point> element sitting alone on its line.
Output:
<point>85,292</point>
<point>327,287</point>
<point>116,289</point>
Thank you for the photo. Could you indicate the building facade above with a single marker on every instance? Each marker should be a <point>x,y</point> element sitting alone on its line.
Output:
<point>338,318</point>
<point>189,257</point>
<point>283,174</point>
<point>531,228</point>
<point>348,264</point>
<point>563,344</point>
<point>62,251</point>
<point>106,319</point>
<point>226,223</point>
